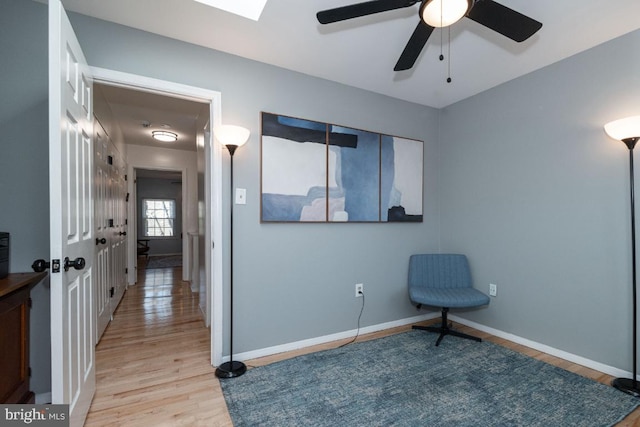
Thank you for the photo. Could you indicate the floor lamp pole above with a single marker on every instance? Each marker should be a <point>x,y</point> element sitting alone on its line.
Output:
<point>231,369</point>
<point>627,385</point>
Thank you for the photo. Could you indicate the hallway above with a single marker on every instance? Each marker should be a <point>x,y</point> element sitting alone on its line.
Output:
<point>153,362</point>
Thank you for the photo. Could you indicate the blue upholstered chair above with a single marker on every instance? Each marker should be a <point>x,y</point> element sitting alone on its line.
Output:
<point>444,281</point>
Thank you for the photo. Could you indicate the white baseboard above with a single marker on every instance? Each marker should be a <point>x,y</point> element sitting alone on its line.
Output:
<point>268,351</point>
<point>601,367</point>
<point>43,398</point>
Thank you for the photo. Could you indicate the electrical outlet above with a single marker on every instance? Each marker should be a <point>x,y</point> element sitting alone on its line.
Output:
<point>493,289</point>
<point>359,289</point>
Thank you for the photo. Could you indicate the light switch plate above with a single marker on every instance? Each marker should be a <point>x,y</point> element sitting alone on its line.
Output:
<point>241,196</point>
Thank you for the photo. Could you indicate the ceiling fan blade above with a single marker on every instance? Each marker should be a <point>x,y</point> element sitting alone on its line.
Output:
<point>414,47</point>
<point>499,18</point>
<point>361,9</point>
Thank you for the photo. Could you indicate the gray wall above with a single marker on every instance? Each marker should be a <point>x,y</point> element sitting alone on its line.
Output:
<point>522,178</point>
<point>537,195</point>
<point>160,188</point>
<point>24,161</point>
<point>291,281</point>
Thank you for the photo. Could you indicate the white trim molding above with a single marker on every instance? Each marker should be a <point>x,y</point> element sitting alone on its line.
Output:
<point>601,367</point>
<point>268,351</point>
<point>215,267</point>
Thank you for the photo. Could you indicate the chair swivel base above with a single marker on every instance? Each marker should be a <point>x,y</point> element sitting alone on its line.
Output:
<point>231,369</point>
<point>444,329</point>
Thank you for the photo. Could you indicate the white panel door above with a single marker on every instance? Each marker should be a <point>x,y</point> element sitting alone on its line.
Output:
<point>71,215</point>
<point>119,231</point>
<point>101,275</point>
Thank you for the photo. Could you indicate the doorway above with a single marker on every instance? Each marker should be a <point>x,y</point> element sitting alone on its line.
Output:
<point>160,220</point>
<point>208,194</point>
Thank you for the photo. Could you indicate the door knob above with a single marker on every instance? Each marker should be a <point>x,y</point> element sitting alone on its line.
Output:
<point>77,263</point>
<point>101,241</point>
<point>40,265</point>
<point>123,233</point>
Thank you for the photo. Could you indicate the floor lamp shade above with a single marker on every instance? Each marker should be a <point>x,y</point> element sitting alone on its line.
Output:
<point>624,129</point>
<point>628,131</point>
<point>232,137</point>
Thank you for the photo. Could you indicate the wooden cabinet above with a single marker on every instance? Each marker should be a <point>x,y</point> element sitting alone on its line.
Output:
<point>14,336</point>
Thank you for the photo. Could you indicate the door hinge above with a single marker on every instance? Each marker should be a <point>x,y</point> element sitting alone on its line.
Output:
<point>125,177</point>
<point>110,160</point>
<point>126,221</point>
<point>29,302</point>
<point>126,271</point>
<point>127,198</point>
<point>111,292</point>
<point>29,370</point>
<point>111,223</point>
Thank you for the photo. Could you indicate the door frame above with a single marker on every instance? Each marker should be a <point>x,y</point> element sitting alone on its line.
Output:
<point>132,172</point>
<point>213,189</point>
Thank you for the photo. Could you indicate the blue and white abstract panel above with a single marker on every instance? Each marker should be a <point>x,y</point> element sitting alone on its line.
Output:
<point>317,172</point>
<point>356,172</point>
<point>402,175</point>
<point>294,169</point>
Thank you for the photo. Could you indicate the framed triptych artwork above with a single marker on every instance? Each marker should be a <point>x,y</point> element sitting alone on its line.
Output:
<point>319,172</point>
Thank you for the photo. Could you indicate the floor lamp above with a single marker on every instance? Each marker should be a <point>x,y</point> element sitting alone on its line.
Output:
<point>231,137</point>
<point>628,131</point>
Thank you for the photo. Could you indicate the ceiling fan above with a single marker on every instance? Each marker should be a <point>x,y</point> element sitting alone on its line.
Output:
<point>437,14</point>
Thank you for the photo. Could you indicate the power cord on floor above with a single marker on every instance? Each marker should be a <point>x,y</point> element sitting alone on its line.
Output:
<point>347,343</point>
<point>358,329</point>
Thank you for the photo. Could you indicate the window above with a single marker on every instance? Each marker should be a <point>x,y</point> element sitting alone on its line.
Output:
<point>159,217</point>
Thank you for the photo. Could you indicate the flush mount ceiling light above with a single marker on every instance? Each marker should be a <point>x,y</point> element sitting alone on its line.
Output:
<point>442,13</point>
<point>164,136</point>
<point>251,9</point>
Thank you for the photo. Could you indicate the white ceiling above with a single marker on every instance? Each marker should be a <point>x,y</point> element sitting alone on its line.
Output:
<point>132,110</point>
<point>362,52</point>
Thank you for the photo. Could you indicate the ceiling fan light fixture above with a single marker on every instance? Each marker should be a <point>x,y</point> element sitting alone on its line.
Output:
<point>442,13</point>
<point>164,136</point>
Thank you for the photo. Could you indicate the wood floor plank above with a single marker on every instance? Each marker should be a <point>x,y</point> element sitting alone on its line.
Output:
<point>153,362</point>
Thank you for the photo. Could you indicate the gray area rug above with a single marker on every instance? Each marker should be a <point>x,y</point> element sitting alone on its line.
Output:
<point>404,380</point>
<point>168,261</point>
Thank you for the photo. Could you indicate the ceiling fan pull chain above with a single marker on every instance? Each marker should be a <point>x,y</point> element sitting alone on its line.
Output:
<point>441,36</point>
<point>449,56</point>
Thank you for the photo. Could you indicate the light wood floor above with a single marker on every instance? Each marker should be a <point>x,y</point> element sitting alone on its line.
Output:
<point>153,361</point>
